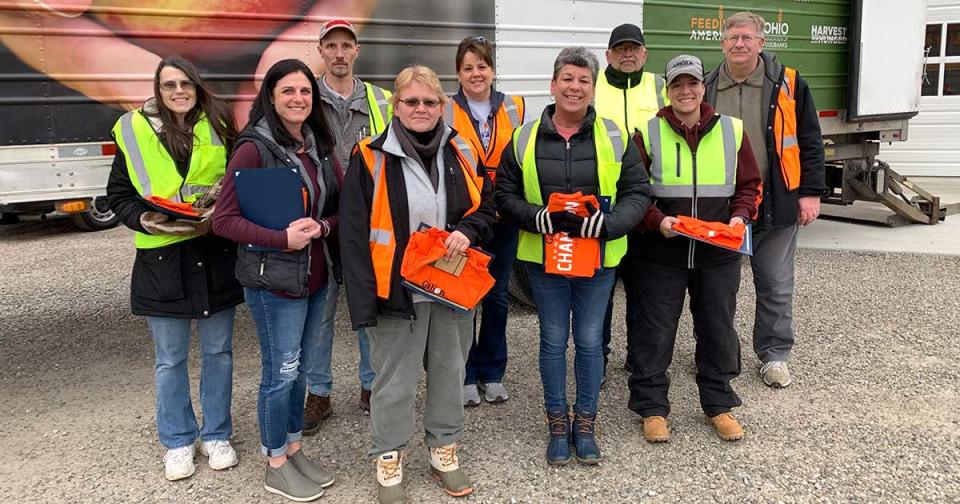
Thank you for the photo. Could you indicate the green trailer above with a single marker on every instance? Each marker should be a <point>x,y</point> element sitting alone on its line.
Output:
<point>863,60</point>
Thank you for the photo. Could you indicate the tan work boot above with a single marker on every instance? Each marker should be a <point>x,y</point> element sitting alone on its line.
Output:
<point>445,468</point>
<point>655,429</point>
<point>727,427</point>
<point>390,476</point>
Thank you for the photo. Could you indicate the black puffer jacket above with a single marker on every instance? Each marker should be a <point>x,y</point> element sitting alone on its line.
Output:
<point>570,167</point>
<point>780,207</point>
<point>356,202</point>
<point>188,280</point>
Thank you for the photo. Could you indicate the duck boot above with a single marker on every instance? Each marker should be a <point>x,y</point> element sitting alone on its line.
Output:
<point>585,437</point>
<point>558,447</point>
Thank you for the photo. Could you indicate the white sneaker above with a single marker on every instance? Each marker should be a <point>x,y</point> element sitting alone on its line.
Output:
<point>471,395</point>
<point>219,453</point>
<point>775,374</point>
<point>390,469</point>
<point>178,462</point>
<point>494,392</point>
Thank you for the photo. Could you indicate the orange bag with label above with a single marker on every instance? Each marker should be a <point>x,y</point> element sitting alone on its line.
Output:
<point>460,283</point>
<point>566,255</point>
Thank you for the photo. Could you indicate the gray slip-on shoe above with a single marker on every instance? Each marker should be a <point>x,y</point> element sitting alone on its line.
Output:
<point>312,470</point>
<point>471,396</point>
<point>287,481</point>
<point>493,392</point>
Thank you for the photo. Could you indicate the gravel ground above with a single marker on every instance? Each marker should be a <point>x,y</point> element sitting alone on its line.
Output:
<point>871,416</point>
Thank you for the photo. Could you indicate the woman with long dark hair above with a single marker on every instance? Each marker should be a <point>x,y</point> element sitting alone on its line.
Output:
<point>175,147</point>
<point>286,287</point>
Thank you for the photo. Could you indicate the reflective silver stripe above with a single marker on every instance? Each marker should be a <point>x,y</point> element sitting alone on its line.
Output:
<point>134,156</point>
<point>448,113</point>
<point>789,141</point>
<point>512,112</point>
<point>381,99</point>
<point>715,191</point>
<point>616,138</point>
<point>214,138</point>
<point>380,236</point>
<point>671,191</point>
<point>729,150</point>
<point>188,190</point>
<point>656,152</point>
<point>660,83</point>
<point>523,138</point>
<point>464,147</point>
<point>785,84</point>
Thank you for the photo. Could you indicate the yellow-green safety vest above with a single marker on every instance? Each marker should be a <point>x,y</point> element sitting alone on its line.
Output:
<point>610,143</point>
<point>378,103</point>
<point>153,172</point>
<point>672,161</point>
<point>631,107</point>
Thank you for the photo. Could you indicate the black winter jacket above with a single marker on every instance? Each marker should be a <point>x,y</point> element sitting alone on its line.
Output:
<point>570,167</point>
<point>191,279</point>
<point>287,271</point>
<point>780,207</point>
<point>356,202</point>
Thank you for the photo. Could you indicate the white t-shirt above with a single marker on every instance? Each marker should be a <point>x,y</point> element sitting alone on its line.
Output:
<point>480,110</point>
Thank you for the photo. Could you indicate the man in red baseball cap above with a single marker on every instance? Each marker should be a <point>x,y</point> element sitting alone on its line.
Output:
<point>354,109</point>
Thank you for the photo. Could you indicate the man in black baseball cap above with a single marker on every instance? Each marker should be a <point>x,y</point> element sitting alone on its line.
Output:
<point>628,95</point>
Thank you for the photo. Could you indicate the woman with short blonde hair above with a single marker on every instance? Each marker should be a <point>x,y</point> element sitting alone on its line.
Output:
<point>417,172</point>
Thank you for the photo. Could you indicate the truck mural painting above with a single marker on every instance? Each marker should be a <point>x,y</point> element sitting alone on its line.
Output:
<point>71,67</point>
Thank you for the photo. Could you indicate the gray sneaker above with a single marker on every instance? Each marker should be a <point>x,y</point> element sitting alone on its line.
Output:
<point>775,374</point>
<point>312,470</point>
<point>287,481</point>
<point>471,397</point>
<point>493,392</point>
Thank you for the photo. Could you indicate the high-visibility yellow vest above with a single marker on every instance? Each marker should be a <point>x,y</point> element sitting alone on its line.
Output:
<point>383,242</point>
<point>153,172</point>
<point>632,106</point>
<point>678,172</point>
<point>610,143</point>
<point>379,108</point>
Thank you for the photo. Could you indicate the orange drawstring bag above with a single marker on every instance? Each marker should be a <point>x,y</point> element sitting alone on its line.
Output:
<point>564,254</point>
<point>720,234</point>
<point>460,283</point>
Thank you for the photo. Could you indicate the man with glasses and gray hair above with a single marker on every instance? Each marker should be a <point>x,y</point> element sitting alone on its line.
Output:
<point>781,120</point>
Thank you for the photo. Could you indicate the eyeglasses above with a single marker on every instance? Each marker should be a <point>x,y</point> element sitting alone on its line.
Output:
<point>745,38</point>
<point>170,86</point>
<point>625,49</point>
<point>415,102</point>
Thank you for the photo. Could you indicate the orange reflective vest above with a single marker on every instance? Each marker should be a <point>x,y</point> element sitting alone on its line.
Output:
<point>785,130</point>
<point>508,118</point>
<point>383,241</point>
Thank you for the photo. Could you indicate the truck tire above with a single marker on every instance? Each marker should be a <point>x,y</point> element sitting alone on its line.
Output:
<point>98,218</point>
<point>519,286</point>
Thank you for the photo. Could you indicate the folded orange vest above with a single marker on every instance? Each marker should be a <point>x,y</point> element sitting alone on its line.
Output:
<point>566,255</point>
<point>460,283</point>
<point>173,208</point>
<point>716,233</point>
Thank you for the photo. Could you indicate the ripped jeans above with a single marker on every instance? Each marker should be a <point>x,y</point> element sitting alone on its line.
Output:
<point>282,324</point>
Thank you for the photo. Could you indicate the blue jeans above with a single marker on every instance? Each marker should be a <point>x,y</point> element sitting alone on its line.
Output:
<point>176,422</point>
<point>488,354</point>
<point>318,349</point>
<point>556,297</point>
<point>282,325</point>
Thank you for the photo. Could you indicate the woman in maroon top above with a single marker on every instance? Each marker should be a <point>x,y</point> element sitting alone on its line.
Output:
<point>285,288</point>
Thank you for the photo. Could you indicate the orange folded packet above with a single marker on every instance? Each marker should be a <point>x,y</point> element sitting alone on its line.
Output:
<point>720,234</point>
<point>461,287</point>
<point>566,255</point>
<point>182,208</point>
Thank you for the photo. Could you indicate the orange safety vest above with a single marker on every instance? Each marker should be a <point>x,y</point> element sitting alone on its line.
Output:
<point>508,117</point>
<point>785,130</point>
<point>383,242</point>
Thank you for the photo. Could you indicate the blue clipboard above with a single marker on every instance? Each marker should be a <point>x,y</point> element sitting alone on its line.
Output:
<point>270,197</point>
